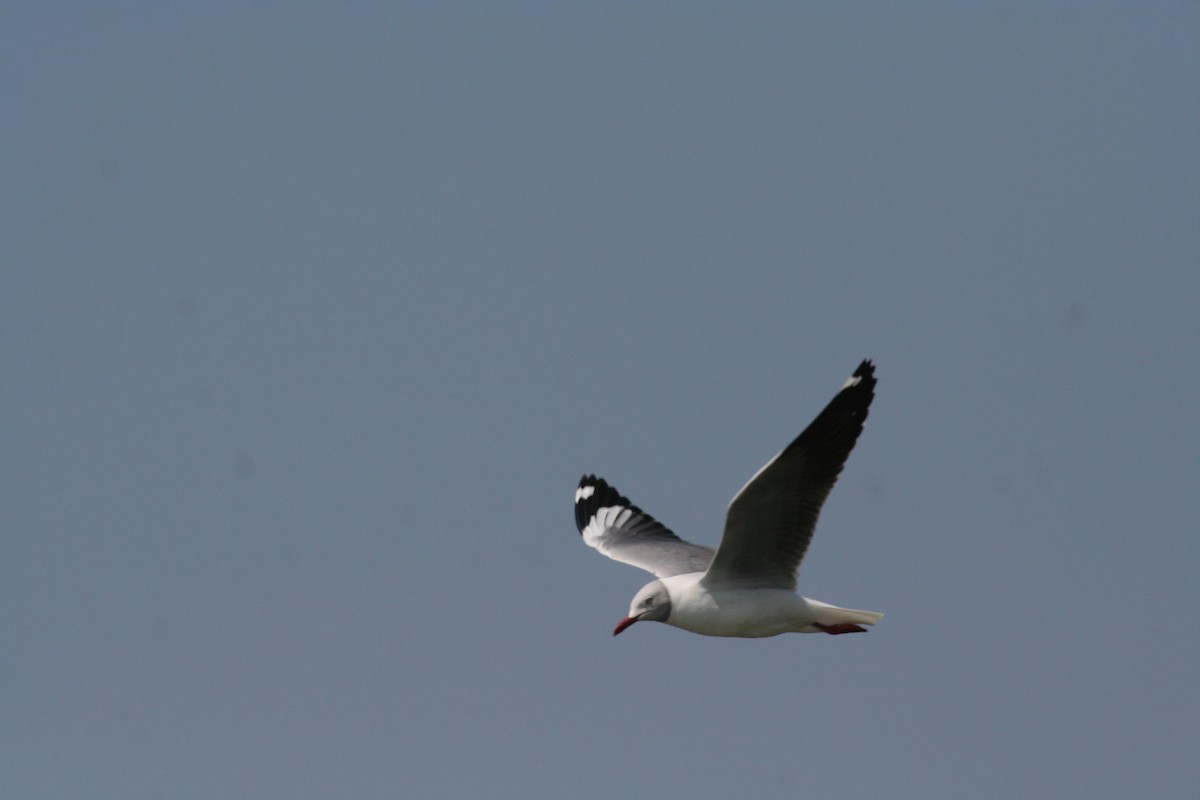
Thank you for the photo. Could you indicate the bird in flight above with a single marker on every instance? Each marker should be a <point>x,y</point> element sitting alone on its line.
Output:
<point>747,586</point>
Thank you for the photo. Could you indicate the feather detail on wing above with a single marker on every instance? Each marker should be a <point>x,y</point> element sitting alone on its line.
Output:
<point>770,521</point>
<point>614,526</point>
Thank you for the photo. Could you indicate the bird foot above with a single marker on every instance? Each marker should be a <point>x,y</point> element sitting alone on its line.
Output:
<point>840,627</point>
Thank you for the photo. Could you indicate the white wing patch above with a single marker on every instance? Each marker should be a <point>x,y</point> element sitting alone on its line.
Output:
<point>584,492</point>
<point>604,519</point>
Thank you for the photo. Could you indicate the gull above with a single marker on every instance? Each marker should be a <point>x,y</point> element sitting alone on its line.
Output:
<point>747,586</point>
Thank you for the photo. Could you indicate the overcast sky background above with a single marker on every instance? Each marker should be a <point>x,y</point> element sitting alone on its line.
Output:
<point>311,317</point>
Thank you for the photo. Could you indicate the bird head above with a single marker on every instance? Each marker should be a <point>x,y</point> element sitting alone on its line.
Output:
<point>652,602</point>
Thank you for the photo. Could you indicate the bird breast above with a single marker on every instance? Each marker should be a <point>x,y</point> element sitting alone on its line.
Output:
<point>750,613</point>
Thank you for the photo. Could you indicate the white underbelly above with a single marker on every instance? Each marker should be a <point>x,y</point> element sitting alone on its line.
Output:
<point>749,613</point>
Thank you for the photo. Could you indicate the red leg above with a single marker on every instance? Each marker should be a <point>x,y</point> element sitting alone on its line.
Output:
<point>841,627</point>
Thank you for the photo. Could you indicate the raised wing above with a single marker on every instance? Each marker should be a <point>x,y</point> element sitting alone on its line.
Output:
<point>771,520</point>
<point>625,533</point>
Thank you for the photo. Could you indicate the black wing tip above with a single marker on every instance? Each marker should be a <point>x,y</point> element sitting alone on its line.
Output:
<point>846,412</point>
<point>599,488</point>
<point>860,387</point>
<point>600,496</point>
<point>865,371</point>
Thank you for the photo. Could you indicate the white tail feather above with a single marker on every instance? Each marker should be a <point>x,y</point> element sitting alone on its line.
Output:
<point>832,615</point>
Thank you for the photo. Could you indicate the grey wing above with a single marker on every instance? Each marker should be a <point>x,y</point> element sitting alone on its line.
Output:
<point>625,533</point>
<point>771,520</point>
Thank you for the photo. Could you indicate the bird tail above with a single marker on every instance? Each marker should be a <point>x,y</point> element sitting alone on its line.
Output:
<point>833,615</point>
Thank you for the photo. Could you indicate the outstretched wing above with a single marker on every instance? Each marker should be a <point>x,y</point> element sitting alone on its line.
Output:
<point>625,533</point>
<point>771,520</point>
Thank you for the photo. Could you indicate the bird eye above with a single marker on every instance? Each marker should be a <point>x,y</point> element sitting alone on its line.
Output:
<point>649,601</point>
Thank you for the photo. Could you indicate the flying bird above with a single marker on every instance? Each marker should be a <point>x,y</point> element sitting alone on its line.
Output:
<point>747,586</point>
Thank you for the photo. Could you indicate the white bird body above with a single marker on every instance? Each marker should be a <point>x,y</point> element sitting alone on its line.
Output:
<point>747,586</point>
<point>750,613</point>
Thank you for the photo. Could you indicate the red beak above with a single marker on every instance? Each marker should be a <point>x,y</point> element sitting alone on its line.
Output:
<point>623,624</point>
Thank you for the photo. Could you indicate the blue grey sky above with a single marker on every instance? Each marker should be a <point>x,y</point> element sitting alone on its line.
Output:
<point>311,317</point>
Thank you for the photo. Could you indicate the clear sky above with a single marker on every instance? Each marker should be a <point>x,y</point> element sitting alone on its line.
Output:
<point>311,316</point>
